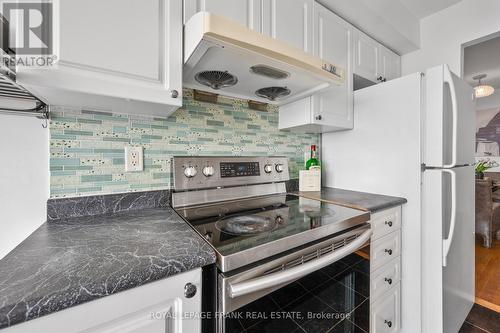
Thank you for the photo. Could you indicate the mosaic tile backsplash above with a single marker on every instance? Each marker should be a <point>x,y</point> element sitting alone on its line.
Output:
<point>87,147</point>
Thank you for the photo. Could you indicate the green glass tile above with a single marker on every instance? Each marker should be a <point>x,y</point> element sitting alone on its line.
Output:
<point>96,178</point>
<point>118,161</point>
<point>140,125</point>
<point>215,123</point>
<point>120,129</point>
<point>116,139</point>
<point>62,137</point>
<point>108,151</point>
<point>89,121</point>
<point>161,175</point>
<point>152,137</point>
<point>78,167</point>
<point>75,132</point>
<point>56,168</point>
<point>160,127</point>
<point>62,173</point>
<point>64,161</point>
<point>89,189</point>
<point>79,150</point>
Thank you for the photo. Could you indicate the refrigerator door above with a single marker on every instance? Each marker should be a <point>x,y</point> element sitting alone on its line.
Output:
<point>448,119</point>
<point>447,248</point>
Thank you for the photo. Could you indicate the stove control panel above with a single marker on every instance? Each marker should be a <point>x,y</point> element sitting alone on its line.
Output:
<point>239,169</point>
<point>198,172</point>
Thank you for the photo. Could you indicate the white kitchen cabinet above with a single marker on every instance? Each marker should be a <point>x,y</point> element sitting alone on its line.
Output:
<point>157,307</point>
<point>373,61</point>
<point>365,56</point>
<point>121,55</point>
<point>389,64</point>
<point>385,313</point>
<point>385,271</point>
<point>332,109</point>
<point>245,12</point>
<point>290,21</point>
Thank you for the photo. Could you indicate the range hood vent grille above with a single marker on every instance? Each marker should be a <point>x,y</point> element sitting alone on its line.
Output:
<point>216,79</point>
<point>270,72</point>
<point>273,93</point>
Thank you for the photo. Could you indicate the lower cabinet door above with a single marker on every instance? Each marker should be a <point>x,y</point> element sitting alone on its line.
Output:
<point>385,312</point>
<point>162,306</point>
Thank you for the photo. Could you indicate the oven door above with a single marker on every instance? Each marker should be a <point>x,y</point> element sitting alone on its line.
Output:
<point>244,287</point>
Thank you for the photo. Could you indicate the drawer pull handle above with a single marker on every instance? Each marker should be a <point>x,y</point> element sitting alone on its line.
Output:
<point>389,223</point>
<point>388,322</point>
<point>389,281</point>
<point>389,251</point>
<point>189,290</point>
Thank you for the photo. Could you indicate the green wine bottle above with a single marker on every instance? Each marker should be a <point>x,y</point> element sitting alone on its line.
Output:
<point>313,162</point>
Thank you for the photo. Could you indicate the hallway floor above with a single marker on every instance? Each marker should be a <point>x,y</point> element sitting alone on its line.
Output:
<point>488,276</point>
<point>481,320</point>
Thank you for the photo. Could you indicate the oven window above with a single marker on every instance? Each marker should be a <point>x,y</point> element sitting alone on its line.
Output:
<point>333,299</point>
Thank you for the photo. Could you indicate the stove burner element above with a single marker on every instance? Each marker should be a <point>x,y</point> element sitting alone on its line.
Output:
<point>245,225</point>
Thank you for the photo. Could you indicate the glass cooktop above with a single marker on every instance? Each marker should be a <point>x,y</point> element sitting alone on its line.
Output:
<point>271,223</point>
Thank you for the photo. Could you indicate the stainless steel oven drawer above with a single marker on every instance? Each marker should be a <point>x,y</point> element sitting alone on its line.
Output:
<point>237,290</point>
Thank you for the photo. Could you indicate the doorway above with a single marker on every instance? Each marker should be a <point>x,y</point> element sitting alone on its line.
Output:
<point>481,69</point>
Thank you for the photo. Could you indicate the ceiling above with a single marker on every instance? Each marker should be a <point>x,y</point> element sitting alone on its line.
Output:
<point>394,23</point>
<point>423,8</point>
<point>484,58</point>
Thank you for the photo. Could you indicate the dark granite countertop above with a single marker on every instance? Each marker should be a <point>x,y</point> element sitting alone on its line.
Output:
<point>359,200</point>
<point>71,261</point>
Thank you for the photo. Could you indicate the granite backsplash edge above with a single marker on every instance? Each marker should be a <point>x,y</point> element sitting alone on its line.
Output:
<point>64,208</point>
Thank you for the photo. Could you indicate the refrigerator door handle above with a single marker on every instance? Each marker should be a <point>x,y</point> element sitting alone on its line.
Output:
<point>453,218</point>
<point>448,78</point>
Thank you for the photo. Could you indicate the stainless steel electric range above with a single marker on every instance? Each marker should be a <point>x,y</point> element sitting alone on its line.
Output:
<point>264,238</point>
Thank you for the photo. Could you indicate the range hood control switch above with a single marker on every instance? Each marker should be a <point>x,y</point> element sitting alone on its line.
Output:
<point>208,171</point>
<point>279,167</point>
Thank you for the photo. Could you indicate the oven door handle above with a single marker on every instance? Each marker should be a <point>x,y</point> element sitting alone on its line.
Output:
<point>294,273</point>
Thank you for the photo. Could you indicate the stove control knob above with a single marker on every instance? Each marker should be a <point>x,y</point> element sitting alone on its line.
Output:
<point>268,168</point>
<point>279,167</point>
<point>190,171</point>
<point>208,171</point>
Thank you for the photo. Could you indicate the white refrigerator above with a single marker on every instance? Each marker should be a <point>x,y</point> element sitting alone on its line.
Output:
<point>414,137</point>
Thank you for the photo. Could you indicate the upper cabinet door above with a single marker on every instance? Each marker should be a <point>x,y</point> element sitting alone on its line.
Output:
<point>365,56</point>
<point>332,42</point>
<point>246,12</point>
<point>115,55</point>
<point>389,65</point>
<point>290,21</point>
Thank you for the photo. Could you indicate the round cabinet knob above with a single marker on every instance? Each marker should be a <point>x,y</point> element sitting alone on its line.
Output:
<point>389,223</point>
<point>388,323</point>
<point>388,251</point>
<point>268,168</point>
<point>190,171</point>
<point>174,94</point>
<point>279,167</point>
<point>388,280</point>
<point>189,290</point>
<point>208,171</point>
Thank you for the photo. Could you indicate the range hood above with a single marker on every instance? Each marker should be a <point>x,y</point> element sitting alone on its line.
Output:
<point>14,99</point>
<point>223,57</point>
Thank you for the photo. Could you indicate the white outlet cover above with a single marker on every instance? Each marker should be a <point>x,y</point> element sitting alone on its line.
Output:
<point>134,158</point>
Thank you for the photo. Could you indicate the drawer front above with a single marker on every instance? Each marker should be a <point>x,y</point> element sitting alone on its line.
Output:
<point>385,222</point>
<point>384,250</point>
<point>385,313</point>
<point>384,278</point>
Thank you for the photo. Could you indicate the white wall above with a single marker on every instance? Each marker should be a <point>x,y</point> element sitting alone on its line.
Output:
<point>443,33</point>
<point>24,178</point>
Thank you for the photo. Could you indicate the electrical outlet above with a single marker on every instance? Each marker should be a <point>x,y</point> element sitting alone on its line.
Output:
<point>134,158</point>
